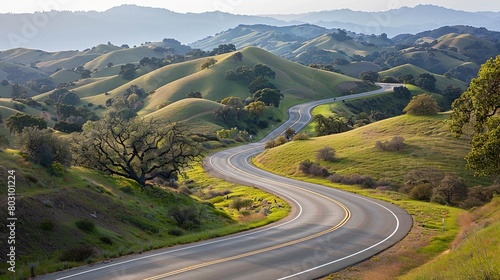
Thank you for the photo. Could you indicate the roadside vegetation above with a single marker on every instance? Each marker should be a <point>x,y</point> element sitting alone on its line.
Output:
<point>79,216</point>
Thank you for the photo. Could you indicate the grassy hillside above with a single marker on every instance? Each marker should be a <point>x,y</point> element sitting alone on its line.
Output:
<point>19,73</point>
<point>298,83</point>
<point>461,41</point>
<point>441,81</point>
<point>121,56</point>
<point>64,76</point>
<point>428,144</point>
<point>353,69</point>
<point>27,56</point>
<point>474,255</point>
<point>82,216</point>
<point>350,47</point>
<point>194,112</point>
<point>438,61</point>
<point>66,63</point>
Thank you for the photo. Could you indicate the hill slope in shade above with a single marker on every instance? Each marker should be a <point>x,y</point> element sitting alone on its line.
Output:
<point>441,81</point>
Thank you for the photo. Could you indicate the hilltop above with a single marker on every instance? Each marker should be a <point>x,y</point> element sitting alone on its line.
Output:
<point>453,50</point>
<point>190,27</point>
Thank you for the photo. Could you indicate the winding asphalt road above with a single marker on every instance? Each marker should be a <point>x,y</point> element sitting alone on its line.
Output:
<point>327,230</point>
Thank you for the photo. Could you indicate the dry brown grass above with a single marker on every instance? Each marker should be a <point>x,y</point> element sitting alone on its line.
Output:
<point>391,263</point>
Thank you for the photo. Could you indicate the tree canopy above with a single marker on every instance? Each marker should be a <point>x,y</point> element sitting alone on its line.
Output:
<point>422,105</point>
<point>16,123</point>
<point>43,147</point>
<point>127,71</point>
<point>139,149</point>
<point>477,113</point>
<point>269,96</point>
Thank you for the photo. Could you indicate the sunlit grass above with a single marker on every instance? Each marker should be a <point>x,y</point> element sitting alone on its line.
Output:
<point>134,219</point>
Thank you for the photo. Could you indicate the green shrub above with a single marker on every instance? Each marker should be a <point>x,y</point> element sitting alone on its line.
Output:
<point>106,240</point>
<point>47,225</point>
<point>127,189</point>
<point>300,136</point>
<point>239,203</point>
<point>77,254</point>
<point>175,232</point>
<point>86,225</point>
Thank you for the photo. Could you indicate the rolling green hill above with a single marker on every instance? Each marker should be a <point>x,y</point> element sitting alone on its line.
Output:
<point>19,73</point>
<point>64,76</point>
<point>441,81</point>
<point>463,41</point>
<point>437,61</point>
<point>429,143</point>
<point>350,47</point>
<point>299,83</point>
<point>353,69</point>
<point>121,56</point>
<point>66,63</point>
<point>28,56</point>
<point>194,112</point>
<point>172,82</point>
<point>277,40</point>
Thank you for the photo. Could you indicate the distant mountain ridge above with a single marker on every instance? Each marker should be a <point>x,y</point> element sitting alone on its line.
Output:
<point>397,21</point>
<point>133,25</point>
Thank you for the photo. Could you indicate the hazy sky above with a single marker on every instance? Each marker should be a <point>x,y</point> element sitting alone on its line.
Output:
<point>244,6</point>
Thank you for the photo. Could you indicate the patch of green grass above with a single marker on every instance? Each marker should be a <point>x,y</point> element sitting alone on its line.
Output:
<point>476,255</point>
<point>441,81</point>
<point>428,144</point>
<point>88,207</point>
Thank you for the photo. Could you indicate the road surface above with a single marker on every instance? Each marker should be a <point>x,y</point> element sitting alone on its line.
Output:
<point>327,230</point>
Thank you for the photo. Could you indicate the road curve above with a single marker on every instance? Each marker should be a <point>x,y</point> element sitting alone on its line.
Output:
<point>327,230</point>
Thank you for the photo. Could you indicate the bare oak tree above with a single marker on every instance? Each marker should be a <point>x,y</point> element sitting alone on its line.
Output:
<point>139,149</point>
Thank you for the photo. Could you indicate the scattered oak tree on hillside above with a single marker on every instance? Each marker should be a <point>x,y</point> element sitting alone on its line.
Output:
<point>264,71</point>
<point>43,147</point>
<point>208,63</point>
<point>268,96</point>
<point>16,123</point>
<point>422,105</point>
<point>477,113</point>
<point>139,149</point>
<point>127,71</point>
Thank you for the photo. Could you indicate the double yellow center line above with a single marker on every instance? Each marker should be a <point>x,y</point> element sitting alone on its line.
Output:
<point>205,264</point>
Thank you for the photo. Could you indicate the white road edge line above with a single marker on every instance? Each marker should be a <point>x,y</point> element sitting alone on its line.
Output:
<point>355,254</point>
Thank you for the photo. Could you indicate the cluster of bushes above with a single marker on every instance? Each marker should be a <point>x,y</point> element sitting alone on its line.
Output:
<point>314,169</point>
<point>365,181</point>
<point>185,216</point>
<point>280,140</point>
<point>62,95</point>
<point>233,134</point>
<point>238,203</point>
<point>289,135</point>
<point>395,144</point>
<point>308,167</point>
<point>44,148</point>
<point>430,184</point>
